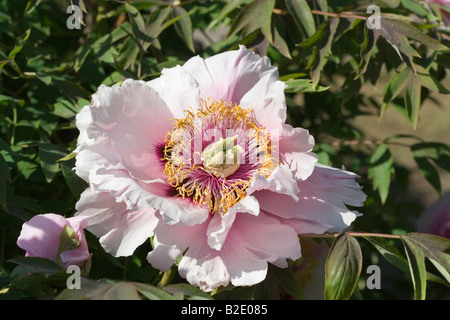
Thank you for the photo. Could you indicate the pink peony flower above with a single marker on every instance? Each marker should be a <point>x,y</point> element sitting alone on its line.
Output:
<point>56,238</point>
<point>202,160</point>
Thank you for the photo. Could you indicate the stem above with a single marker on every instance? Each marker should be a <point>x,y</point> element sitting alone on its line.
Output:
<point>345,14</point>
<point>167,277</point>
<point>350,233</point>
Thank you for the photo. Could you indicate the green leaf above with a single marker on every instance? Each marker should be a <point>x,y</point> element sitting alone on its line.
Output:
<point>101,290</point>
<point>302,16</point>
<point>20,42</point>
<point>393,89</point>
<point>397,27</point>
<point>74,182</point>
<point>439,153</point>
<point>412,99</point>
<point>286,280</point>
<point>136,19</point>
<point>280,44</point>
<point>267,289</point>
<point>183,26</point>
<point>429,81</point>
<point>255,16</point>
<point>397,31</point>
<point>66,109</point>
<point>342,268</point>
<point>436,151</point>
<point>370,39</point>
<point>188,291</point>
<point>34,265</point>
<point>434,248</point>
<point>152,292</point>
<point>429,172</point>
<point>302,85</point>
<point>322,50</point>
<point>316,37</point>
<point>380,170</point>
<point>49,154</point>
<point>390,253</point>
<point>418,271</point>
<point>414,7</point>
<point>230,6</point>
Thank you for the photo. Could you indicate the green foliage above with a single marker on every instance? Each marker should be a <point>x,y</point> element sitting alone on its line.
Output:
<point>331,63</point>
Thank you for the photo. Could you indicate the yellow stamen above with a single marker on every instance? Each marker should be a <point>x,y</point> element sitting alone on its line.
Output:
<point>182,158</point>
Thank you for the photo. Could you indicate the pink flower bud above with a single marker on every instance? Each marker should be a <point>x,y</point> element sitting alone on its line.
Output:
<point>56,238</point>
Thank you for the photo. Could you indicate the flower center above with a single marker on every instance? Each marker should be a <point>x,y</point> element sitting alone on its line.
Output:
<point>212,154</point>
<point>221,158</point>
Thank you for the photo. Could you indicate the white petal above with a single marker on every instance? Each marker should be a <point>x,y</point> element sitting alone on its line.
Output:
<point>296,146</point>
<point>172,241</point>
<point>279,181</point>
<point>218,229</point>
<point>229,75</point>
<point>178,89</point>
<point>268,102</point>
<point>132,230</point>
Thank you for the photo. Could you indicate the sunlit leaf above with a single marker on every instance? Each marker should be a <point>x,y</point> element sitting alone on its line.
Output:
<point>303,18</point>
<point>418,271</point>
<point>393,89</point>
<point>184,26</point>
<point>370,39</point>
<point>342,268</point>
<point>49,154</point>
<point>254,16</point>
<point>412,99</point>
<point>380,170</point>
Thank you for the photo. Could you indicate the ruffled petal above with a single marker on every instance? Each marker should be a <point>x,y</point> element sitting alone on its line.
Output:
<point>123,129</point>
<point>171,241</point>
<point>136,194</point>
<point>178,89</point>
<point>250,244</point>
<point>296,146</point>
<point>218,229</point>
<point>120,230</point>
<point>322,201</point>
<point>268,102</point>
<point>132,230</point>
<point>280,181</point>
<point>229,75</point>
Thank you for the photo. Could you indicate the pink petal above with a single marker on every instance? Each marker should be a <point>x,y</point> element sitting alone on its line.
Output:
<point>280,181</point>
<point>133,229</point>
<point>322,201</point>
<point>296,146</point>
<point>171,241</point>
<point>125,117</point>
<point>120,230</point>
<point>178,89</point>
<point>229,75</point>
<point>40,235</point>
<point>153,194</point>
<point>268,102</point>
<point>218,229</point>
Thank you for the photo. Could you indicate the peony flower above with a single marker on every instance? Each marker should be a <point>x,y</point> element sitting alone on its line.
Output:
<point>202,160</point>
<point>56,238</point>
<point>436,218</point>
